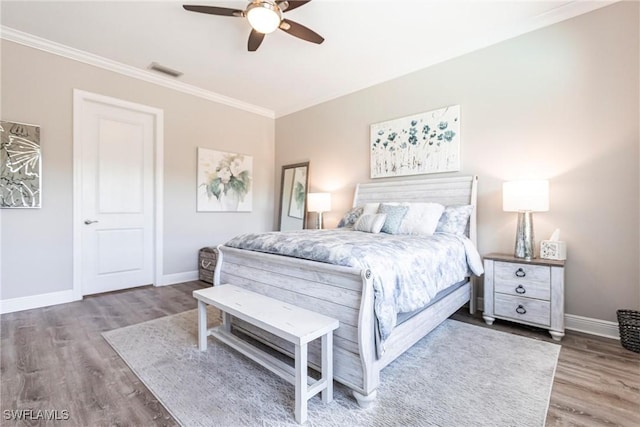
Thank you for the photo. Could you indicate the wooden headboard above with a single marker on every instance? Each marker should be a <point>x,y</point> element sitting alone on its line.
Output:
<point>459,190</point>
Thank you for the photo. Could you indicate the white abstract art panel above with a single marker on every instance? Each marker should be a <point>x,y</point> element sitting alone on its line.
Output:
<point>20,167</point>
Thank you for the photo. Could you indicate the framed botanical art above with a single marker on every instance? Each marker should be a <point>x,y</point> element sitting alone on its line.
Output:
<point>224,181</point>
<point>20,167</point>
<point>419,144</point>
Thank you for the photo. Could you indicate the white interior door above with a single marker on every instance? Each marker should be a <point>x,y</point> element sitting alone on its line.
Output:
<point>116,169</point>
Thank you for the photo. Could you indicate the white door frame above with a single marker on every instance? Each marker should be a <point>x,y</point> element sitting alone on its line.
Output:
<point>79,98</point>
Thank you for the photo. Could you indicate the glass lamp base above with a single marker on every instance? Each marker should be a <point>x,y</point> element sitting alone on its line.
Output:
<point>525,243</point>
<point>319,221</point>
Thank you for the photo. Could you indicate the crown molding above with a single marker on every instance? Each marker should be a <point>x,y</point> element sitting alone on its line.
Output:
<point>26,39</point>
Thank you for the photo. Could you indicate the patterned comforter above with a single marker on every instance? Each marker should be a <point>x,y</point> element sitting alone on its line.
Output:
<point>408,271</point>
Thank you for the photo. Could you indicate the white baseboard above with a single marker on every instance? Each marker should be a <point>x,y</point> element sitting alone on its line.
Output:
<point>588,325</point>
<point>602,328</point>
<point>172,279</point>
<point>36,301</point>
<point>62,297</point>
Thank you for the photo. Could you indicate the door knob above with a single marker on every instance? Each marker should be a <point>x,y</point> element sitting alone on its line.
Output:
<point>89,221</point>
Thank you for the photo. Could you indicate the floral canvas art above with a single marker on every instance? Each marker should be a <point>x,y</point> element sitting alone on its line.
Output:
<point>224,181</point>
<point>298,191</point>
<point>20,177</point>
<point>420,144</point>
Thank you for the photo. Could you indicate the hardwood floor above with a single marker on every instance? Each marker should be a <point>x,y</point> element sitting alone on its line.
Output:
<point>597,381</point>
<point>55,358</point>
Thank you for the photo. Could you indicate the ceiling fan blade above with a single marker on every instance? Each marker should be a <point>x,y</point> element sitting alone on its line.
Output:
<point>255,39</point>
<point>300,31</point>
<point>213,10</point>
<point>295,4</point>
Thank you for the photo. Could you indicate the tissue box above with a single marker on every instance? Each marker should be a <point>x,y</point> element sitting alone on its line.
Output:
<point>553,249</point>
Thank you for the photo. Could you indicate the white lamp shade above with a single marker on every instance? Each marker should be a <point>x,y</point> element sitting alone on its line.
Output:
<point>525,196</point>
<point>319,202</point>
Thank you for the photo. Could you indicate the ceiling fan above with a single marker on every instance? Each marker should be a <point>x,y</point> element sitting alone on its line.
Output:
<point>265,16</point>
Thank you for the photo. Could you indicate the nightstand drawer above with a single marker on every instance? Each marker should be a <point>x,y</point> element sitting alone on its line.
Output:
<point>528,289</point>
<point>523,309</point>
<point>533,281</point>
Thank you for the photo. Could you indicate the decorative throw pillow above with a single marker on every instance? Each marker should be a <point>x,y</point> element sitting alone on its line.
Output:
<point>395,215</point>
<point>371,208</point>
<point>370,223</point>
<point>421,219</point>
<point>351,217</point>
<point>454,219</point>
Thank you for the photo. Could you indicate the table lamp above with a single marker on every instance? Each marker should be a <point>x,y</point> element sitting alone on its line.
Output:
<point>525,197</point>
<point>319,203</point>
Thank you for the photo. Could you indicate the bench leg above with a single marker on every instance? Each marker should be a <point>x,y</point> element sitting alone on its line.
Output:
<point>327,366</point>
<point>301,383</point>
<point>202,326</point>
<point>226,322</point>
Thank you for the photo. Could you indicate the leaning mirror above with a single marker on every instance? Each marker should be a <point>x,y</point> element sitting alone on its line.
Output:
<point>293,196</point>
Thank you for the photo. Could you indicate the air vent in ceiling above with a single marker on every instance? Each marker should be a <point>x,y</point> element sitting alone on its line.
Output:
<point>164,70</point>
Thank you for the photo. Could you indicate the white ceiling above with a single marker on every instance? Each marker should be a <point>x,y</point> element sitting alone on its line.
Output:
<point>367,42</point>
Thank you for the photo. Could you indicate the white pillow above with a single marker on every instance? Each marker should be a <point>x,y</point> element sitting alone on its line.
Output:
<point>421,219</point>
<point>370,208</point>
<point>370,223</point>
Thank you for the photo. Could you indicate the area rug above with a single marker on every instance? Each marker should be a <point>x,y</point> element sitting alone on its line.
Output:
<point>459,375</point>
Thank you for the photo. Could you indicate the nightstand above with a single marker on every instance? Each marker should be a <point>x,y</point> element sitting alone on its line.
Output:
<point>528,292</point>
<point>207,259</point>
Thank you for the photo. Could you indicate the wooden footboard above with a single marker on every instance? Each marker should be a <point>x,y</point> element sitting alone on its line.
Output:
<point>344,293</point>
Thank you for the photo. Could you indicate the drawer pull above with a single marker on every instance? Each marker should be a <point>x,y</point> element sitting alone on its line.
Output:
<point>520,309</point>
<point>205,264</point>
<point>521,290</point>
<point>520,272</point>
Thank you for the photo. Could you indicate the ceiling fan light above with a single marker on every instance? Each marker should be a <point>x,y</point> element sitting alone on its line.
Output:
<point>264,17</point>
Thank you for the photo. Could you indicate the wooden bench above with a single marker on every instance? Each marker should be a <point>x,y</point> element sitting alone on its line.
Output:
<point>294,324</point>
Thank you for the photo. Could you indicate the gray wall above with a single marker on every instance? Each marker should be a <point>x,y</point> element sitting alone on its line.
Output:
<point>559,103</point>
<point>37,87</point>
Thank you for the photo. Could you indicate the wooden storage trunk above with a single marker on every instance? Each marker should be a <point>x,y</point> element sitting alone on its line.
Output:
<point>207,263</point>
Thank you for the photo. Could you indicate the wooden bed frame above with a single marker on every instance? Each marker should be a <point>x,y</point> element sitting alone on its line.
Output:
<point>346,293</point>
